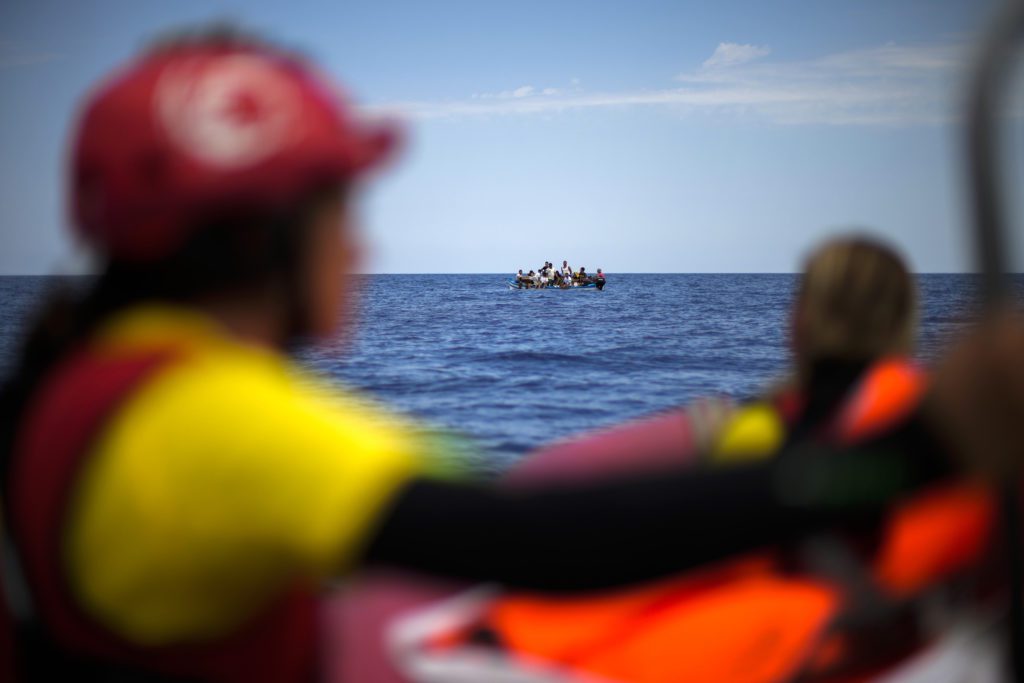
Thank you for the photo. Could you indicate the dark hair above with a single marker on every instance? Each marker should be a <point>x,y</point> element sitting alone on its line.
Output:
<point>230,253</point>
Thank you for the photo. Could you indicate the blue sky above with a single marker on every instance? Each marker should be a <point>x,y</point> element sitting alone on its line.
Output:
<point>635,136</point>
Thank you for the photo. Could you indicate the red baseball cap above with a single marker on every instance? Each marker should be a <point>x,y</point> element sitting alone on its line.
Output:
<point>199,128</point>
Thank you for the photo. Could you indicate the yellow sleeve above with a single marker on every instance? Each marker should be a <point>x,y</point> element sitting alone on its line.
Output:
<point>220,479</point>
<point>754,432</point>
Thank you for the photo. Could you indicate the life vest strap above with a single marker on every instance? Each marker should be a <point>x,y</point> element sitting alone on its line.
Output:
<point>14,587</point>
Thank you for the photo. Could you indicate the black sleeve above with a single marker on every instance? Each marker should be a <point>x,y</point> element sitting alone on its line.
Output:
<point>599,535</point>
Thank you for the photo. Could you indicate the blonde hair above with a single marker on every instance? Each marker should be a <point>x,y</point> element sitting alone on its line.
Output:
<point>857,301</point>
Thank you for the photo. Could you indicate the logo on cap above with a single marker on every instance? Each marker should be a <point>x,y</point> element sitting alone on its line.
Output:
<point>230,111</point>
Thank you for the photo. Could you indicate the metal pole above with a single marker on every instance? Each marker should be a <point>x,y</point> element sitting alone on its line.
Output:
<point>987,88</point>
<point>989,76</point>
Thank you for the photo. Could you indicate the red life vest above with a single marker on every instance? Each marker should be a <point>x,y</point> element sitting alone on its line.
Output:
<point>62,423</point>
<point>759,619</point>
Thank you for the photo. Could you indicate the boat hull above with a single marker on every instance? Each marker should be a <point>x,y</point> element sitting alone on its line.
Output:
<point>511,284</point>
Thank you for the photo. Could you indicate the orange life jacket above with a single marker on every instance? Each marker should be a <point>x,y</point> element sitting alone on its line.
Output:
<point>756,620</point>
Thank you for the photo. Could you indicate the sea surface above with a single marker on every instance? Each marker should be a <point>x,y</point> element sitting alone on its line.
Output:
<point>515,369</point>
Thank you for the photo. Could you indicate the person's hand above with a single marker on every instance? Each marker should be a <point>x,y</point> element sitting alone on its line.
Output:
<point>707,417</point>
<point>977,399</point>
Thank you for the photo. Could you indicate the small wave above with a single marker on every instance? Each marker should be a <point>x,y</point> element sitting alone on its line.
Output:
<point>530,357</point>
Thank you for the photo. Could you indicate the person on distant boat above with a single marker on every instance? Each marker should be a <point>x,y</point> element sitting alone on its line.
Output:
<point>599,279</point>
<point>566,269</point>
<point>582,277</point>
<point>519,278</point>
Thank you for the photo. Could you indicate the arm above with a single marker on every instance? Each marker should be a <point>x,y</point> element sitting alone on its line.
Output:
<point>603,534</point>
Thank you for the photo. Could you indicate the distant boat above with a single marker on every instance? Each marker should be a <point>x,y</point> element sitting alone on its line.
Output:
<point>512,284</point>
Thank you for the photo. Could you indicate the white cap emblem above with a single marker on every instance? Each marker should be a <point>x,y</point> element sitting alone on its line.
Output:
<point>231,111</point>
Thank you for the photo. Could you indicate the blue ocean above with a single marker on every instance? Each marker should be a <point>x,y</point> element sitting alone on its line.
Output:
<point>514,369</point>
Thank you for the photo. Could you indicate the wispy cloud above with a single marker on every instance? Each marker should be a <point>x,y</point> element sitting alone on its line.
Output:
<point>13,54</point>
<point>732,54</point>
<point>888,84</point>
<point>518,93</point>
<point>882,85</point>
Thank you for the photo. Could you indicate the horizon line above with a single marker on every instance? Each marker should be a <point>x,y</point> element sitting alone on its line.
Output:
<point>693,272</point>
<point>620,272</point>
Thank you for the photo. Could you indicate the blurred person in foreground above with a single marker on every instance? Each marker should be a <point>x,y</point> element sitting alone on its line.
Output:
<point>853,329</point>
<point>177,499</point>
